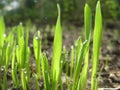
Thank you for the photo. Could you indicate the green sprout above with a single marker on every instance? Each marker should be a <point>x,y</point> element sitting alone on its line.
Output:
<point>57,48</point>
<point>22,55</point>
<point>2,32</point>
<point>96,45</point>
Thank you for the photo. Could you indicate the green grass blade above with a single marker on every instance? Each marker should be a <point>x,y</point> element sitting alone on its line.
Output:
<point>8,51</point>
<point>84,74</point>
<point>78,45</point>
<point>72,56</point>
<point>28,64</point>
<point>37,52</point>
<point>57,48</point>
<point>2,63</point>
<point>2,31</point>
<point>27,55</point>
<point>45,71</point>
<point>17,48</point>
<point>19,31</point>
<point>23,80</point>
<point>21,52</point>
<point>96,44</point>
<point>21,45</point>
<point>14,70</point>
<point>87,21</point>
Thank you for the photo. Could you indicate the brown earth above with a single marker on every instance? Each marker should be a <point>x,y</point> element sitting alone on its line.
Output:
<point>109,63</point>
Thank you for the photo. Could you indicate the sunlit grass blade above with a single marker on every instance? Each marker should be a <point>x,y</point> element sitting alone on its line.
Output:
<point>8,51</point>
<point>20,48</point>
<point>62,65</point>
<point>96,45</point>
<point>23,80</point>
<point>66,65</point>
<point>10,38</point>
<point>14,70</point>
<point>61,84</point>
<point>84,74</point>
<point>28,64</point>
<point>45,71</point>
<point>87,22</point>
<point>2,62</point>
<point>21,52</point>
<point>2,36</point>
<point>78,45</point>
<point>57,48</point>
<point>17,48</point>
<point>19,31</point>
<point>2,32</point>
<point>37,52</point>
<point>27,55</point>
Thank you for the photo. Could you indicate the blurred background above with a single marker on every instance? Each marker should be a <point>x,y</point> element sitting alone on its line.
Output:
<point>45,11</point>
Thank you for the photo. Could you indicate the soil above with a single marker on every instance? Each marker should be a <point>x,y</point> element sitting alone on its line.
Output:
<point>109,63</point>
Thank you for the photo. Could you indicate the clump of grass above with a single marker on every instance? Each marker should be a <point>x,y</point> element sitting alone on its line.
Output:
<point>17,53</point>
<point>22,55</point>
<point>82,84</point>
